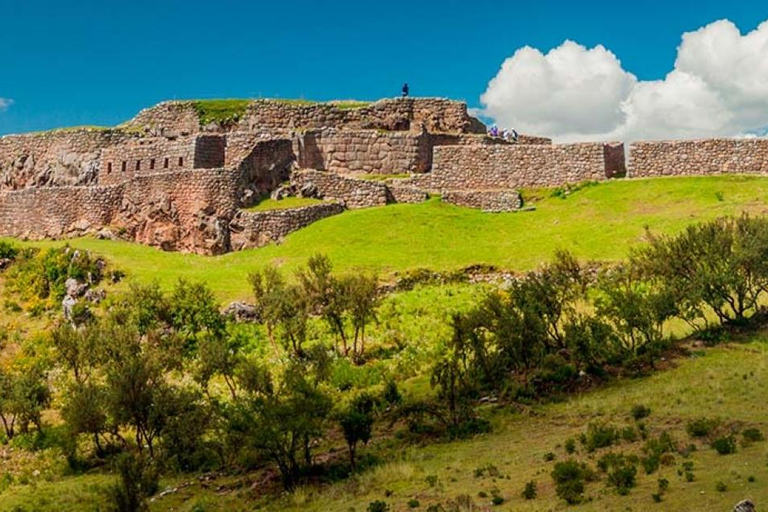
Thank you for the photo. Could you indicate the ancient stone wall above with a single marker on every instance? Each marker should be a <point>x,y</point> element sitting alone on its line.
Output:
<point>54,212</point>
<point>511,166</point>
<point>55,158</point>
<point>167,118</point>
<point>256,229</point>
<point>433,114</point>
<point>365,151</point>
<point>267,164</point>
<point>399,193</point>
<point>184,210</point>
<point>353,193</point>
<point>698,157</point>
<point>147,155</point>
<point>486,200</point>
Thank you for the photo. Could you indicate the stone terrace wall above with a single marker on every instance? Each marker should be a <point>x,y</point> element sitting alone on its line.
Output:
<point>57,211</point>
<point>513,166</point>
<point>353,193</point>
<point>691,157</point>
<point>367,151</point>
<point>256,229</point>
<point>56,158</point>
<point>185,210</point>
<point>486,200</point>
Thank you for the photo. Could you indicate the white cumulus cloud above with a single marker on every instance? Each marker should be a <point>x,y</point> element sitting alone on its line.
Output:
<point>5,103</point>
<point>718,87</point>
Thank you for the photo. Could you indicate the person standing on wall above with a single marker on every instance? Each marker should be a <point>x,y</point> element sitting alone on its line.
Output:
<point>406,90</point>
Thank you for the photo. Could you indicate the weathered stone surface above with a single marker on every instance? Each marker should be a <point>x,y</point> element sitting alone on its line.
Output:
<point>241,312</point>
<point>354,193</point>
<point>510,166</point>
<point>255,229</point>
<point>487,200</point>
<point>744,506</point>
<point>698,157</point>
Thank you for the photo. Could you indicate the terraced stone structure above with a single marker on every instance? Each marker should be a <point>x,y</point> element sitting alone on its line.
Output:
<point>181,175</point>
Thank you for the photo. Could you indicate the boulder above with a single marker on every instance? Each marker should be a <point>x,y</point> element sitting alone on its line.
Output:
<point>308,189</point>
<point>66,305</point>
<point>75,288</point>
<point>95,295</point>
<point>241,312</point>
<point>282,192</point>
<point>744,506</point>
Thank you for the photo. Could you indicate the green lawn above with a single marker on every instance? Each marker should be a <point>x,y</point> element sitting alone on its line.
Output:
<point>599,222</point>
<point>284,204</point>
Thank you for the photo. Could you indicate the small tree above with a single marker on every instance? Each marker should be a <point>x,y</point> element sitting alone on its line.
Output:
<point>357,424</point>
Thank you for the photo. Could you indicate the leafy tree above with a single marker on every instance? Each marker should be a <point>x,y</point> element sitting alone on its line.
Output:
<point>138,480</point>
<point>24,394</point>
<point>357,424</point>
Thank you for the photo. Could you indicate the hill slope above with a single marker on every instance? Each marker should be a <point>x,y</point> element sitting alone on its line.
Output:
<point>597,222</point>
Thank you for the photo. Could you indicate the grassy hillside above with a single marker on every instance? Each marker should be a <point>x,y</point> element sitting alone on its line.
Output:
<point>599,222</point>
<point>728,382</point>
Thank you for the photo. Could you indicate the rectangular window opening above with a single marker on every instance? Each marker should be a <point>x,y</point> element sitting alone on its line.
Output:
<point>152,164</point>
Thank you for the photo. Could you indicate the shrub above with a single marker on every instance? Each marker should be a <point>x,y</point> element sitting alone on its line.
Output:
<point>138,481</point>
<point>431,480</point>
<point>549,457</point>
<point>600,435</point>
<point>530,491</point>
<point>378,506</point>
<point>623,477</point>
<point>570,446</point>
<point>721,487</point>
<point>663,484</point>
<point>725,445</point>
<point>640,411</point>
<point>753,435</point>
<point>413,503</point>
<point>629,434</point>
<point>701,427</point>
<point>497,499</point>
<point>7,251</point>
<point>569,477</point>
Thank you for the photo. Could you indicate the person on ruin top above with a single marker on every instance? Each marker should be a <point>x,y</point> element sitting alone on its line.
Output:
<point>494,131</point>
<point>406,89</point>
<point>515,135</point>
<point>505,134</point>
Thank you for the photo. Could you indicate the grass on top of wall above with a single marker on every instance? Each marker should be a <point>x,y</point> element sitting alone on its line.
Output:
<point>599,222</point>
<point>223,111</point>
<point>284,204</point>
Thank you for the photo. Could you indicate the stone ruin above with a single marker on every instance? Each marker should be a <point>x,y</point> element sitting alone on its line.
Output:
<point>167,179</point>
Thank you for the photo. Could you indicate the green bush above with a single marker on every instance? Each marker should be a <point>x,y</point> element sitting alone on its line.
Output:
<point>378,506</point>
<point>721,487</point>
<point>601,435</point>
<point>413,503</point>
<point>569,477</point>
<point>725,445</point>
<point>640,411</point>
<point>7,251</point>
<point>753,435</point>
<point>570,446</point>
<point>530,491</point>
<point>701,427</point>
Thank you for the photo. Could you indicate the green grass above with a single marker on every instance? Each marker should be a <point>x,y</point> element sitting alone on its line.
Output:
<point>382,177</point>
<point>284,204</point>
<point>599,222</point>
<point>730,382</point>
<point>349,104</point>
<point>223,111</point>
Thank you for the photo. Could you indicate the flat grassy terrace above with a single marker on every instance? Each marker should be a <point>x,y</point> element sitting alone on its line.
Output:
<point>599,222</point>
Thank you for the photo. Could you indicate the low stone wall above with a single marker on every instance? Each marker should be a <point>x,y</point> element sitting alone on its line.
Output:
<point>511,166</point>
<point>170,118</point>
<point>256,229</point>
<point>486,200</point>
<point>55,158</point>
<point>367,151</point>
<point>399,193</point>
<point>353,193</point>
<point>698,157</point>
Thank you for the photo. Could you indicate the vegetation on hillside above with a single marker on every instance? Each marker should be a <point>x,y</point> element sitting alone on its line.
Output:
<point>601,222</point>
<point>224,112</point>
<point>161,382</point>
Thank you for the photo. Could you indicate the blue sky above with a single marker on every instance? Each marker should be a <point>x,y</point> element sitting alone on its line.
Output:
<point>69,63</point>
